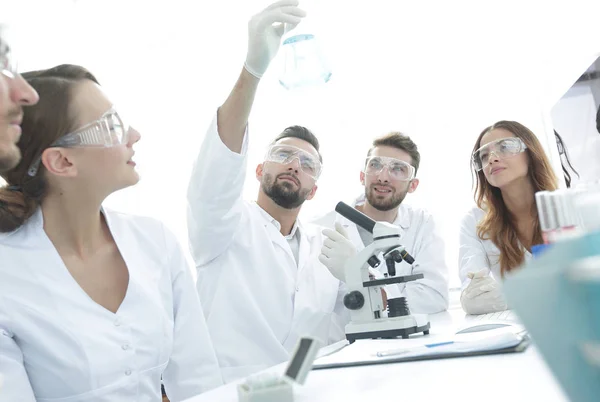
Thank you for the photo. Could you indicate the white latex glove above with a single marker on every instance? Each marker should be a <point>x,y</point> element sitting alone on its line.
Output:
<point>336,250</point>
<point>483,295</point>
<point>265,30</point>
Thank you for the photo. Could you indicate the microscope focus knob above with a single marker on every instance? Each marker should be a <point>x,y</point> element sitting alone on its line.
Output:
<point>374,261</point>
<point>354,300</point>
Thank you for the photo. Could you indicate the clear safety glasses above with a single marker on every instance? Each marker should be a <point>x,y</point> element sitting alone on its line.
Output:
<point>108,131</point>
<point>397,169</point>
<point>8,63</point>
<point>284,154</point>
<point>502,148</point>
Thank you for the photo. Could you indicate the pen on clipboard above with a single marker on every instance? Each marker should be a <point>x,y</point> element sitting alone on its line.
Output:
<point>395,352</point>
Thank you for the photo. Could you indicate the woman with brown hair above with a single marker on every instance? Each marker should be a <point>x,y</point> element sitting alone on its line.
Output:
<point>510,166</point>
<point>94,305</point>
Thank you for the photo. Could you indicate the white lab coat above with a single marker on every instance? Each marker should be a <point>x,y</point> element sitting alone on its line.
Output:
<point>256,299</point>
<point>476,254</point>
<point>58,345</point>
<point>421,239</point>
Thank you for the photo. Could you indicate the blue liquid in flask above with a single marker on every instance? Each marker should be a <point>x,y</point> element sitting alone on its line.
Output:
<point>303,63</point>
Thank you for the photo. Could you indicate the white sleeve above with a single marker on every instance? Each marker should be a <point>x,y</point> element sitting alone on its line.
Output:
<point>215,203</point>
<point>16,386</point>
<point>193,366</point>
<point>472,256</point>
<point>430,294</point>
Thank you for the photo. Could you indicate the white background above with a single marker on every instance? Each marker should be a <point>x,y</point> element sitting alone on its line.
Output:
<point>440,71</point>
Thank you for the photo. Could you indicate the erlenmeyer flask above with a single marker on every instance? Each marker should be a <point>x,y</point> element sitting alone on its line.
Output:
<point>303,62</point>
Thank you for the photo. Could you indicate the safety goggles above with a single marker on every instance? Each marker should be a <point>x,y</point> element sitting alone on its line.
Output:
<point>108,131</point>
<point>397,169</point>
<point>8,63</point>
<point>502,148</point>
<point>284,154</point>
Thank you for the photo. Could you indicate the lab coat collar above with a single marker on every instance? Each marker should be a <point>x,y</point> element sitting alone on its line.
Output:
<point>402,218</point>
<point>29,235</point>
<point>37,219</point>
<point>276,223</point>
<point>35,226</point>
<point>297,230</point>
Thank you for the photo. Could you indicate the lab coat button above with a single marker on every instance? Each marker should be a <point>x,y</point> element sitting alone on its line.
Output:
<point>117,322</point>
<point>128,372</point>
<point>125,347</point>
<point>297,288</point>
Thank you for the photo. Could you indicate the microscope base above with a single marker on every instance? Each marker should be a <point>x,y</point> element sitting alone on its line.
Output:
<point>388,328</point>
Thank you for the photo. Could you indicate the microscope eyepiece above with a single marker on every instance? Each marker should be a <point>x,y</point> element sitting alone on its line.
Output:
<point>355,216</point>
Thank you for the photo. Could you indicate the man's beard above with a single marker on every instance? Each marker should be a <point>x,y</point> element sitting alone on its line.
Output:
<point>282,193</point>
<point>9,158</point>
<point>385,204</point>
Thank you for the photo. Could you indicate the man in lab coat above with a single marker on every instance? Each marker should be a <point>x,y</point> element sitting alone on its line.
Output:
<point>15,93</point>
<point>259,278</point>
<point>389,174</point>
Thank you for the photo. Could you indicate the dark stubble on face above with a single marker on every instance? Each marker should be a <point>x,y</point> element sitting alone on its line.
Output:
<point>385,204</point>
<point>283,193</point>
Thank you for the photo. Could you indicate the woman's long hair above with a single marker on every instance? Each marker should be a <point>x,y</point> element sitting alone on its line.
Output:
<point>498,224</point>
<point>43,123</point>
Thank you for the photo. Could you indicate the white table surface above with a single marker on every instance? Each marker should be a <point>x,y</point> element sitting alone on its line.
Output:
<point>509,377</point>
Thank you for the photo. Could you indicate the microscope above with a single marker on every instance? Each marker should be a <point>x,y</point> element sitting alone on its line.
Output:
<point>364,299</point>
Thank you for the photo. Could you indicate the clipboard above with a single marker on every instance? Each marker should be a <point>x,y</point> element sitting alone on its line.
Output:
<point>365,353</point>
